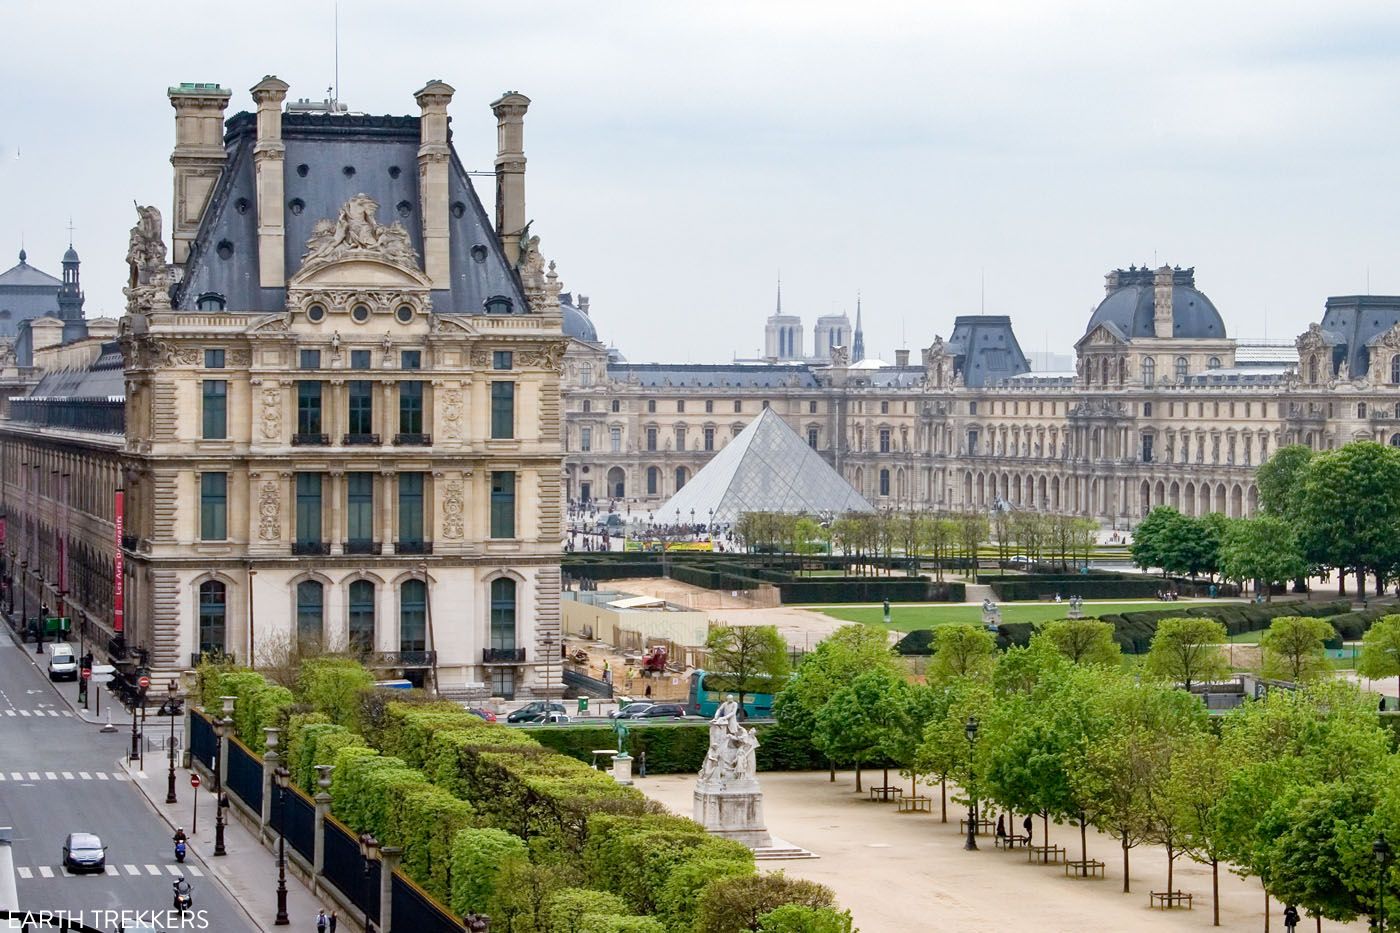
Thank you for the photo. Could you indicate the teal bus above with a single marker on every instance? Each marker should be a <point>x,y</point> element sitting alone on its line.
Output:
<point>704,699</point>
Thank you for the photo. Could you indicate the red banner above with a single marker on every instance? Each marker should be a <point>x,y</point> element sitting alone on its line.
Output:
<point>118,607</point>
<point>2,532</point>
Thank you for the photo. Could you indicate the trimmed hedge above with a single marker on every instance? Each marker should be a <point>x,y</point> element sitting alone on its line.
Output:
<point>332,686</point>
<point>793,918</point>
<point>477,858</point>
<point>1134,630</point>
<point>734,905</point>
<point>679,748</point>
<point>257,705</point>
<point>565,909</point>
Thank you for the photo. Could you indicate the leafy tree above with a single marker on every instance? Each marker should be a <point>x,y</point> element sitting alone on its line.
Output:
<point>1263,549</point>
<point>1211,528</point>
<point>747,659</point>
<point>1187,650</point>
<point>944,751</point>
<point>1196,783</point>
<point>1175,543</point>
<point>864,719</point>
<point>794,918</point>
<point>1150,540</point>
<point>961,651</point>
<point>1380,649</point>
<point>1280,481</point>
<point>1294,648</point>
<point>1021,670</point>
<point>902,741</point>
<point>1350,512</point>
<point>1082,641</point>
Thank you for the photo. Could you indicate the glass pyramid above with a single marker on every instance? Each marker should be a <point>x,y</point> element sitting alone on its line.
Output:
<point>767,468</point>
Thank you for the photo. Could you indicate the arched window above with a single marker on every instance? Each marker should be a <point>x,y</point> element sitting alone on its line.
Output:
<point>1181,369</point>
<point>1213,363</point>
<point>1395,369</point>
<point>680,478</point>
<point>503,614</point>
<point>1147,409</point>
<point>587,405</point>
<point>213,611</point>
<point>1312,369</point>
<point>361,621</point>
<point>210,301</point>
<point>1361,409</point>
<point>1149,370</point>
<point>653,480</point>
<point>1395,440</point>
<point>311,605</point>
<point>585,374</point>
<point>413,616</point>
<point>884,482</point>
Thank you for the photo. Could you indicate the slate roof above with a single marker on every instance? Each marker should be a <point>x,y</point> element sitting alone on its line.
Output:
<point>26,293</point>
<point>718,376</point>
<point>576,324</point>
<point>1354,320</point>
<point>105,379</point>
<point>985,349</point>
<point>330,158</point>
<point>1130,305</point>
<point>767,468</point>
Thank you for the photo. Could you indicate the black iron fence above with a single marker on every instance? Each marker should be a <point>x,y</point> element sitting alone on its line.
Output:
<point>245,774</point>
<point>415,910</point>
<point>202,740</point>
<point>345,868</point>
<point>300,823</point>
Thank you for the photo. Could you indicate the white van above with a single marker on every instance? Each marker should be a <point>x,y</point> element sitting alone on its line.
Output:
<point>63,663</point>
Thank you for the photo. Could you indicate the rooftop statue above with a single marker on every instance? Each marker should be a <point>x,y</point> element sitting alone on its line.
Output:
<point>356,232</point>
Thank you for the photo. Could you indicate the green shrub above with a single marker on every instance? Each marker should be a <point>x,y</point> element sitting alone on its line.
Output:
<point>425,820</point>
<point>792,918</point>
<point>564,910</point>
<point>297,742</point>
<point>636,857</point>
<point>522,890</point>
<point>681,892</point>
<point>477,858</point>
<point>733,905</point>
<point>323,752</point>
<point>332,686</point>
<point>612,923</point>
<point>919,641</point>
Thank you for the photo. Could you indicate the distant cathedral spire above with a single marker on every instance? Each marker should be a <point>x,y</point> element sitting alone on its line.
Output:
<point>780,295</point>
<point>858,346</point>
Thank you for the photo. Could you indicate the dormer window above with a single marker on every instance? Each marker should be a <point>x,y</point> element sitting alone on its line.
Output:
<point>499,304</point>
<point>210,301</point>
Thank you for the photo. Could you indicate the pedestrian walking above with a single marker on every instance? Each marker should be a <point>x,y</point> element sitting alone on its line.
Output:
<point>1029,827</point>
<point>321,921</point>
<point>1001,825</point>
<point>330,925</point>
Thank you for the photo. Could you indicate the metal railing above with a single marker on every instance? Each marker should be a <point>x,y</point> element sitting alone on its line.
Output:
<point>363,547</point>
<point>311,440</point>
<point>367,440</point>
<point>502,655</point>
<point>413,547</point>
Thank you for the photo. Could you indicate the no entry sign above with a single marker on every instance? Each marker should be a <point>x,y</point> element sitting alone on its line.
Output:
<point>194,781</point>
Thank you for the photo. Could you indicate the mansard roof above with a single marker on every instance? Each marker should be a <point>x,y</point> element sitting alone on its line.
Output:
<point>986,349</point>
<point>1131,300</point>
<point>721,376</point>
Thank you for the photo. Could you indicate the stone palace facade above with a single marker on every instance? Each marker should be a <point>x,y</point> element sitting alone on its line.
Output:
<point>1163,409</point>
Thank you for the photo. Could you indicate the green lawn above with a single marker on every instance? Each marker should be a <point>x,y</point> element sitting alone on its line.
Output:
<point>907,618</point>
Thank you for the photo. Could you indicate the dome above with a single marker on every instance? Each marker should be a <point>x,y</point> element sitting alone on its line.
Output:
<point>577,324</point>
<point>1132,296</point>
<point>71,255</point>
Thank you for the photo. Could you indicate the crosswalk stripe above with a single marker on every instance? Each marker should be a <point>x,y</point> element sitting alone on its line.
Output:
<point>15,775</point>
<point>111,871</point>
<point>24,712</point>
<point>152,870</point>
<point>9,712</point>
<point>119,776</point>
<point>85,776</point>
<point>45,871</point>
<point>33,775</point>
<point>132,869</point>
<point>68,713</point>
<point>2,776</point>
<point>174,871</point>
<point>102,775</point>
<point>54,712</point>
<point>50,776</point>
<point>195,871</point>
<point>68,775</point>
<point>24,872</point>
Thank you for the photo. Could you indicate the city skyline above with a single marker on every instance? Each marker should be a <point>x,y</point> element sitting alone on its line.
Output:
<point>970,159</point>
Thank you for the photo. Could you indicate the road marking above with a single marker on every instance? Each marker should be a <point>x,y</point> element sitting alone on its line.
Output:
<point>68,775</point>
<point>54,712</point>
<point>45,871</point>
<point>24,872</point>
<point>15,775</point>
<point>50,776</point>
<point>24,712</point>
<point>195,871</point>
<point>174,871</point>
<point>132,869</point>
<point>2,776</point>
<point>152,870</point>
<point>33,775</point>
<point>85,776</point>
<point>68,713</point>
<point>111,871</point>
<point>102,775</point>
<point>9,712</point>
<point>119,776</point>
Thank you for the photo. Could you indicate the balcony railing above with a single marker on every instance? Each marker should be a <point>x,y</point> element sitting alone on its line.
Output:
<point>311,440</point>
<point>413,440</point>
<point>363,547</point>
<point>213,657</point>
<point>502,655</point>
<point>399,659</point>
<point>130,542</point>
<point>311,547</point>
<point>360,440</point>
<point>413,547</point>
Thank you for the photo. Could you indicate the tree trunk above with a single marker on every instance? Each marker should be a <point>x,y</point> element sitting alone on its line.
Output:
<point>1125,863</point>
<point>1361,583</point>
<point>1045,826</point>
<point>943,792</point>
<point>858,776</point>
<point>831,762</point>
<point>1083,838</point>
<point>886,778</point>
<point>1171,862</point>
<point>1266,910</point>
<point>1341,582</point>
<point>1215,890</point>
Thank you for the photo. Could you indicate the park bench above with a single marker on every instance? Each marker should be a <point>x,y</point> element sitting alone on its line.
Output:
<point>1167,900</point>
<point>886,793</point>
<point>607,754</point>
<point>1046,855</point>
<point>1090,868</point>
<point>984,827</point>
<point>915,804</point>
<point>1012,841</point>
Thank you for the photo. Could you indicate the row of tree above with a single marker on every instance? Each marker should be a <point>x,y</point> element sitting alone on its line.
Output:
<point>1293,789</point>
<point>1264,549</point>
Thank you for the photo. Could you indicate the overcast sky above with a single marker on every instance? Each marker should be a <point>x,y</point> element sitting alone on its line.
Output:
<point>682,153</point>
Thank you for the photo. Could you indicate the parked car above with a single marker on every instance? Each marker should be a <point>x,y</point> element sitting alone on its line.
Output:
<point>630,708</point>
<point>84,852</point>
<point>483,713</point>
<point>658,711</point>
<point>533,712</point>
<point>63,665</point>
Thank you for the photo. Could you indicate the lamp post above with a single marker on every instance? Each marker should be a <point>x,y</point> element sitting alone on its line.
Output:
<point>971,844</point>
<point>369,851</point>
<point>221,727</point>
<point>1381,850</point>
<point>172,699</point>
<point>281,775</point>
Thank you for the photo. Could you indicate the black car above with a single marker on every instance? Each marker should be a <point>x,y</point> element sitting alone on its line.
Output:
<point>84,852</point>
<point>657,711</point>
<point>534,712</point>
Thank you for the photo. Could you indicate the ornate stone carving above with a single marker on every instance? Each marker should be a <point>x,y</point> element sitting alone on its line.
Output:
<point>356,233</point>
<point>269,512</point>
<point>452,414</point>
<point>172,355</point>
<point>238,357</point>
<point>272,412</point>
<point>278,323</point>
<point>452,509</point>
<point>840,356</point>
<point>546,356</point>
<point>480,359</point>
<point>148,286</point>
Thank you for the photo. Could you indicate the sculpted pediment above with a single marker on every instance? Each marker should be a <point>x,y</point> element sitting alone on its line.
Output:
<point>1388,339</point>
<point>359,272</point>
<point>355,250</point>
<point>1101,336</point>
<point>1314,338</point>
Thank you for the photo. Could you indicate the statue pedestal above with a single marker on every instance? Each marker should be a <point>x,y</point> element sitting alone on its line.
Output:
<point>622,769</point>
<point>733,811</point>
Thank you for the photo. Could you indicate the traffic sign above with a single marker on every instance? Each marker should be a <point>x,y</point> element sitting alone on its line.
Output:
<point>194,780</point>
<point>102,673</point>
<point>143,682</point>
<point>87,673</point>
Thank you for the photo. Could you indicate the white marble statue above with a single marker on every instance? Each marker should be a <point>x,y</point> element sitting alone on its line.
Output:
<point>731,755</point>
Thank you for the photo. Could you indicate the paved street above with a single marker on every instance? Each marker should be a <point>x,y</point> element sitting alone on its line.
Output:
<point>61,775</point>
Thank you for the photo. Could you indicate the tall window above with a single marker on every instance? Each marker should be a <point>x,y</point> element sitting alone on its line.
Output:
<point>503,410</point>
<point>738,406</point>
<point>653,480</point>
<point>709,406</point>
<point>585,439</point>
<point>215,409</point>
<point>308,510</point>
<point>709,438</point>
<point>884,482</point>
<point>1181,367</point>
<point>213,506</point>
<point>361,407</point>
<point>411,408</point>
<point>615,440</point>
<point>359,509</point>
<point>812,438</point>
<point>213,611</point>
<point>680,405</point>
<point>884,440</point>
<point>413,616</point>
<point>587,406</point>
<point>361,619</point>
<point>311,608</point>
<point>503,613</point>
<point>308,407</point>
<point>616,405</point>
<point>680,438</point>
<point>503,504</point>
<point>1149,370</point>
<point>1394,369</point>
<point>651,438</point>
<point>410,508</point>
<point>680,478</point>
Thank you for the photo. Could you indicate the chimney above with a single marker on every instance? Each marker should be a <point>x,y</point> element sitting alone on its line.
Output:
<point>269,152</point>
<point>1162,320</point>
<point>198,158</point>
<point>901,357</point>
<point>434,154</point>
<point>510,171</point>
<point>583,303</point>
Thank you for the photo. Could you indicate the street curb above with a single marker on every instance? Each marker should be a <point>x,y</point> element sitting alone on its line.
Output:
<point>212,872</point>
<point>86,716</point>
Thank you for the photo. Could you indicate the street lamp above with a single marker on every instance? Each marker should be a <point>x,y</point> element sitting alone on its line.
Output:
<point>221,727</point>
<point>172,699</point>
<point>369,851</point>
<point>971,844</point>
<point>281,775</point>
<point>1381,850</point>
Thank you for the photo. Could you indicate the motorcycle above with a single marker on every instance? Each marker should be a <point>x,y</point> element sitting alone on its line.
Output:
<point>184,901</point>
<point>180,852</point>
